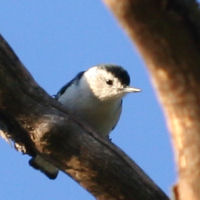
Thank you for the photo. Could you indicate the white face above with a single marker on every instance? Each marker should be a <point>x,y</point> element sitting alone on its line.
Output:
<point>103,84</point>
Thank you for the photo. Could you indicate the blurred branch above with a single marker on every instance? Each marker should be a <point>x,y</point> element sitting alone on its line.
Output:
<point>167,34</point>
<point>39,125</point>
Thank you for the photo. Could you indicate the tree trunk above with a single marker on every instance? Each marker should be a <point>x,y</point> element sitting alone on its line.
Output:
<point>167,34</point>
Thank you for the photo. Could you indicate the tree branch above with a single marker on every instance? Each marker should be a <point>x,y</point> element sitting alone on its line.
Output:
<point>39,125</point>
<point>167,33</point>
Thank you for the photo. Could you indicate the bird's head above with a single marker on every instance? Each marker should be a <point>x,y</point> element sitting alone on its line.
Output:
<point>108,82</point>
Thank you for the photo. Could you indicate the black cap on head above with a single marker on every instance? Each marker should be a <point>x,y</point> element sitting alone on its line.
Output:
<point>118,72</point>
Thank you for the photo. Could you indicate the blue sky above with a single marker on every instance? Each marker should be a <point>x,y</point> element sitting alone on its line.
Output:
<point>55,40</point>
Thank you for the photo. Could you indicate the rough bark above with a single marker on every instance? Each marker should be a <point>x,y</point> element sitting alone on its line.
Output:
<point>39,125</point>
<point>167,34</point>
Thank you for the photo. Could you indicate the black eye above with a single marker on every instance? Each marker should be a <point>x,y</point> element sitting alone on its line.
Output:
<point>109,82</point>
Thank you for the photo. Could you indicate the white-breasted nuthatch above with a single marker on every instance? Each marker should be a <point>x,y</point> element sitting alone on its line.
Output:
<point>95,97</point>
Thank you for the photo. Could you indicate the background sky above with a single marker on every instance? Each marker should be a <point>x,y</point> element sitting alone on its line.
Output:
<point>57,39</point>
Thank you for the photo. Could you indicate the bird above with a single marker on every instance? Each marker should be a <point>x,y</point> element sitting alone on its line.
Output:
<point>94,97</point>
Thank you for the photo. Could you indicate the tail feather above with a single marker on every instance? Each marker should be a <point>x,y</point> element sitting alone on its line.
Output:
<point>44,166</point>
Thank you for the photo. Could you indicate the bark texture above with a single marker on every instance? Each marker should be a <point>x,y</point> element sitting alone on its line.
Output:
<point>167,34</point>
<point>39,125</point>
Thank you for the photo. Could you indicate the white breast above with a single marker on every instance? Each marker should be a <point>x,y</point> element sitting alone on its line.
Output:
<point>81,103</point>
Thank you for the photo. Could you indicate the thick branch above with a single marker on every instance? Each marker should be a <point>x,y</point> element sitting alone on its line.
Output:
<point>167,33</point>
<point>39,124</point>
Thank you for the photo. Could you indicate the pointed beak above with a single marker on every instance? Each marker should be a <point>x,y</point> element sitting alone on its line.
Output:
<point>131,89</point>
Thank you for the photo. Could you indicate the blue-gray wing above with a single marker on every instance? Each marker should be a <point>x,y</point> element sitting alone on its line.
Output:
<point>73,81</point>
